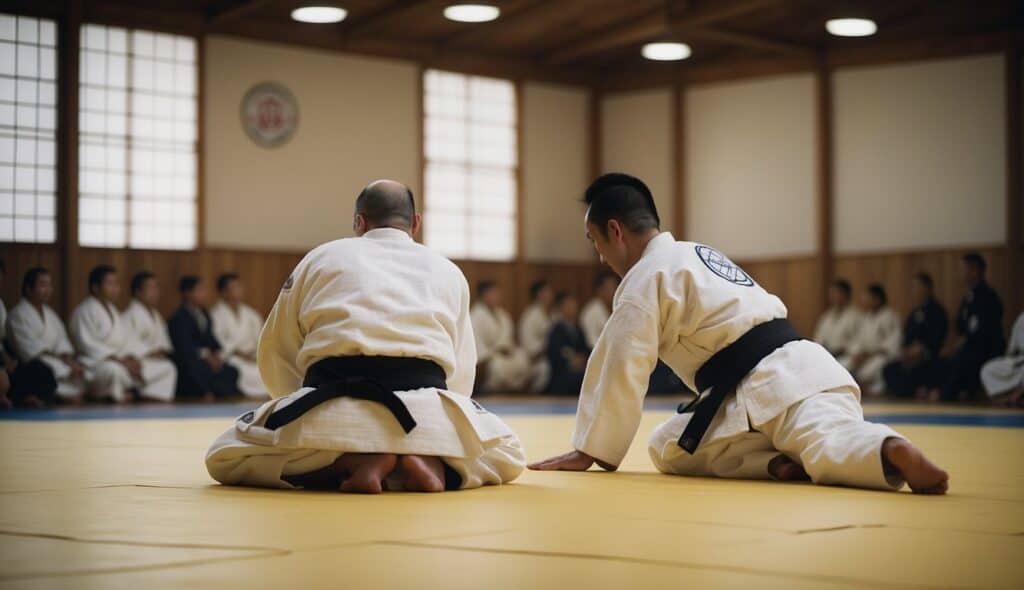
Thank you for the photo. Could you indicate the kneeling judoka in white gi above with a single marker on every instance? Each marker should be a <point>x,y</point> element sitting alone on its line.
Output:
<point>773,405</point>
<point>370,358</point>
<point>237,328</point>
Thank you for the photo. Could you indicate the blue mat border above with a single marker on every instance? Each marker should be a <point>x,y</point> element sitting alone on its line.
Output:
<point>554,408</point>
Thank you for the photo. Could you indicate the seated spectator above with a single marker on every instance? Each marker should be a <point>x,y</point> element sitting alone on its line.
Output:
<point>47,368</point>
<point>924,332</point>
<point>838,326</point>
<point>7,363</point>
<point>501,365</point>
<point>237,328</point>
<point>202,371</point>
<point>534,328</point>
<point>1003,377</point>
<point>567,349</point>
<point>148,330</point>
<point>596,312</point>
<point>979,336</point>
<point>876,344</point>
<point>109,351</point>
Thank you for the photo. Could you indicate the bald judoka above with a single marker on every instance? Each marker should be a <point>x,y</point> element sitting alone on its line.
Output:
<point>773,405</point>
<point>370,358</point>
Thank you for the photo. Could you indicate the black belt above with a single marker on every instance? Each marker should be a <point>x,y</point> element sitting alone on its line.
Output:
<point>371,378</point>
<point>724,371</point>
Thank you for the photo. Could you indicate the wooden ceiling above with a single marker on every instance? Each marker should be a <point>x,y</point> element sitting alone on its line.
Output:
<point>582,41</point>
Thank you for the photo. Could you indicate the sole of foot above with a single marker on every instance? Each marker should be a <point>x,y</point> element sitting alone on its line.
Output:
<point>907,461</point>
<point>366,472</point>
<point>423,474</point>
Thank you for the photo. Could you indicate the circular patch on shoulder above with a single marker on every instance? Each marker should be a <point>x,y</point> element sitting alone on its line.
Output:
<point>719,264</point>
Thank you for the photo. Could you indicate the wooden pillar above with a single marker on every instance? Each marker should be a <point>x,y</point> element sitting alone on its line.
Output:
<point>594,134</point>
<point>67,140</point>
<point>201,142</point>
<point>825,238</point>
<point>1014,195</point>
<point>519,279</point>
<point>679,160</point>
<point>421,148</point>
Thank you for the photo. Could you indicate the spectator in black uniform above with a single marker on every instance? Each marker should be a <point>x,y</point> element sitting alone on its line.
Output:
<point>202,371</point>
<point>923,335</point>
<point>567,348</point>
<point>979,331</point>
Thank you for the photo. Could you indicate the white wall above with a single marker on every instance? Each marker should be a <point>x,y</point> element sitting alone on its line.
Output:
<point>920,155</point>
<point>751,167</point>
<point>636,138</point>
<point>357,122</point>
<point>555,172</point>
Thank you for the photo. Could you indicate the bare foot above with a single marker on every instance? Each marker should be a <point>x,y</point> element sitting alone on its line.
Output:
<point>782,468</point>
<point>423,474</point>
<point>367,472</point>
<point>899,457</point>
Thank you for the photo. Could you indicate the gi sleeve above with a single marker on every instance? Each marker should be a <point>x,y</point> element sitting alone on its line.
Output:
<point>611,402</point>
<point>465,350</point>
<point>91,344</point>
<point>26,345</point>
<point>281,339</point>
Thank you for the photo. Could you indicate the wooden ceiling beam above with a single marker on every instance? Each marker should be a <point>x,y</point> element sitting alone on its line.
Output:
<point>366,23</point>
<point>237,11</point>
<point>745,40</point>
<point>653,25</point>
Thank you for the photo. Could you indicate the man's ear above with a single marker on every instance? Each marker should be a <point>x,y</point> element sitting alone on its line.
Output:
<point>417,223</point>
<point>615,230</point>
<point>359,224</point>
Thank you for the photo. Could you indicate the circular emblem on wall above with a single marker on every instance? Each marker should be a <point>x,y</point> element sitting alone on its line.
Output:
<point>719,264</point>
<point>270,114</point>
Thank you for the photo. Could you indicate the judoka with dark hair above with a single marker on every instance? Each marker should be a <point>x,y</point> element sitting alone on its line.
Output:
<point>202,371</point>
<point>772,405</point>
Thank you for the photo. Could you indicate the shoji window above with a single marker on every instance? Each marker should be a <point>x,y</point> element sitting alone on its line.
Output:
<point>137,139</point>
<point>28,129</point>
<point>471,162</point>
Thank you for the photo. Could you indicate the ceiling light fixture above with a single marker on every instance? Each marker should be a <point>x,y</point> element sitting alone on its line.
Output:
<point>851,27</point>
<point>666,51</point>
<point>472,13</point>
<point>319,14</point>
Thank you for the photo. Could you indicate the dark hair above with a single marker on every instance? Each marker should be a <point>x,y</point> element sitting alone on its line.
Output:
<point>31,278</point>
<point>484,286</point>
<point>843,285</point>
<point>224,280</point>
<point>975,261</point>
<point>187,284</point>
<point>98,274</point>
<point>878,292</point>
<point>624,198</point>
<point>601,277</point>
<point>925,279</point>
<point>139,280</point>
<point>536,287</point>
<point>561,297</point>
<point>383,206</point>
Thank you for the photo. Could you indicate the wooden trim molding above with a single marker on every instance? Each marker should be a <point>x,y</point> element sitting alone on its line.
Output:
<point>826,239</point>
<point>679,160</point>
<point>1014,192</point>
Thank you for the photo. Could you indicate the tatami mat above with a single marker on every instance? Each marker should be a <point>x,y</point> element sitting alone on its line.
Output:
<point>127,504</point>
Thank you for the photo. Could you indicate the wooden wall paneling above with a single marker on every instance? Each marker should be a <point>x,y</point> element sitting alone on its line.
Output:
<point>679,160</point>
<point>67,142</point>
<point>794,280</point>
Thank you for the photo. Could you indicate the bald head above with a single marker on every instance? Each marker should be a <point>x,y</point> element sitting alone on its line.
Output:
<point>386,203</point>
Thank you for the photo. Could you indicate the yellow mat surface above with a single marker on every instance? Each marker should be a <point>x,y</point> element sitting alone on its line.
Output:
<point>128,504</point>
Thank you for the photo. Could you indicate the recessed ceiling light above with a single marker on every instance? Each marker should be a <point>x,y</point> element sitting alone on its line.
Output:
<point>851,27</point>
<point>666,51</point>
<point>472,13</point>
<point>319,14</point>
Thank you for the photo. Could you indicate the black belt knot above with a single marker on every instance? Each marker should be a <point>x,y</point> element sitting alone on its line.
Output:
<point>367,378</point>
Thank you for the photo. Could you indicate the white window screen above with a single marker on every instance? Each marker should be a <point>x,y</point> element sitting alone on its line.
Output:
<point>137,139</point>
<point>28,129</point>
<point>470,176</point>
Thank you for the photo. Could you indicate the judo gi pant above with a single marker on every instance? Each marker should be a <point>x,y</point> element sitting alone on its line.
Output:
<point>903,380</point>
<point>825,433</point>
<point>1003,375</point>
<point>869,373</point>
